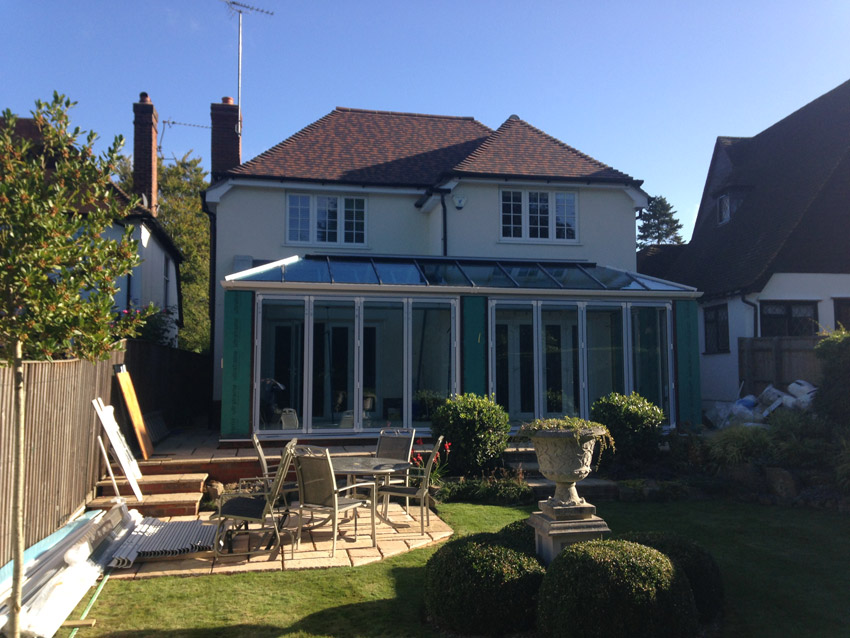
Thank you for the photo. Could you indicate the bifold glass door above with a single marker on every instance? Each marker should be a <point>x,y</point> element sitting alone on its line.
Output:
<point>351,365</point>
<point>550,359</point>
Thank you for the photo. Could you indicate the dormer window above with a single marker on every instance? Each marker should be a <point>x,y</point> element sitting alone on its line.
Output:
<point>724,209</point>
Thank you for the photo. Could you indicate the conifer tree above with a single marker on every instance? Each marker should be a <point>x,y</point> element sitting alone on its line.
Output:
<point>658,224</point>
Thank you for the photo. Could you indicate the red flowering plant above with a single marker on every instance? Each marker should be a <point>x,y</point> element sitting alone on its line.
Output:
<point>440,466</point>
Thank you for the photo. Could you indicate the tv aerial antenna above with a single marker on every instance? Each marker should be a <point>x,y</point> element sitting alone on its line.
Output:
<point>167,124</point>
<point>240,8</point>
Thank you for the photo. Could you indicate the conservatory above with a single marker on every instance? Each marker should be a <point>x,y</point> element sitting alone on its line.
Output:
<point>332,345</point>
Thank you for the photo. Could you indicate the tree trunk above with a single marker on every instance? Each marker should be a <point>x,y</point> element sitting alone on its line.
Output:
<point>14,629</point>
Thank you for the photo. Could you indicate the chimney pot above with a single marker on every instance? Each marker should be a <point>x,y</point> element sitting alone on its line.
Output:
<point>227,100</point>
<point>144,98</point>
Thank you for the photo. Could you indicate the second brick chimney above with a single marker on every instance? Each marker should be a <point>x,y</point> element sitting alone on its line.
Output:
<point>144,151</point>
<point>226,150</point>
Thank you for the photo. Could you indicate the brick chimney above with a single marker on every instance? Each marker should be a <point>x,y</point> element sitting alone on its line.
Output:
<point>226,151</point>
<point>144,151</point>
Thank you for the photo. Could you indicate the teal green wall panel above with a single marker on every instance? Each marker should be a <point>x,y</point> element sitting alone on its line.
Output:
<point>474,344</point>
<point>687,362</point>
<point>237,353</point>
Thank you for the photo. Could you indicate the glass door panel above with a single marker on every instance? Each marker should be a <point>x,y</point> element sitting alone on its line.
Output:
<point>432,359</point>
<point>383,364</point>
<point>281,366</point>
<point>649,356</point>
<point>514,357</point>
<point>333,365</point>
<point>560,366</point>
<point>605,372</point>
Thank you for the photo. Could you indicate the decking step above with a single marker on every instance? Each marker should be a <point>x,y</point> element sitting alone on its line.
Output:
<point>155,505</point>
<point>156,484</point>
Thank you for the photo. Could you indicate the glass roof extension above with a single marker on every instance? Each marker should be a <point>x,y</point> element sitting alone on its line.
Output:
<point>448,271</point>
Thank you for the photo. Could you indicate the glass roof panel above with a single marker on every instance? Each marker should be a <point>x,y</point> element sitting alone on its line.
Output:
<point>511,273</point>
<point>443,273</point>
<point>530,276</point>
<point>614,279</point>
<point>487,274</point>
<point>402,273</point>
<point>572,277</point>
<point>353,272</point>
<point>308,271</point>
<point>655,284</point>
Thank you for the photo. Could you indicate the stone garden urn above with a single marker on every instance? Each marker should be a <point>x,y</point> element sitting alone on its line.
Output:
<point>564,456</point>
<point>564,450</point>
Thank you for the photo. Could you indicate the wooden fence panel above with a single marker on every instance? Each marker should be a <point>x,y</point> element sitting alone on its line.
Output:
<point>63,460</point>
<point>779,361</point>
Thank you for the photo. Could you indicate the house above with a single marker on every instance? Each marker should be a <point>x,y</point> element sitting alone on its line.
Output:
<point>157,278</point>
<point>376,262</point>
<point>769,247</point>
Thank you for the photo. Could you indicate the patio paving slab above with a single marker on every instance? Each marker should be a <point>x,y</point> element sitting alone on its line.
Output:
<point>314,552</point>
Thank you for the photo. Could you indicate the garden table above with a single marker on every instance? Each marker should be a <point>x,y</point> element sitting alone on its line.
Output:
<point>374,466</point>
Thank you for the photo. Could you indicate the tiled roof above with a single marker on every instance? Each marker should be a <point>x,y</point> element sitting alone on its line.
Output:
<point>371,147</point>
<point>409,149</point>
<point>518,149</point>
<point>793,181</point>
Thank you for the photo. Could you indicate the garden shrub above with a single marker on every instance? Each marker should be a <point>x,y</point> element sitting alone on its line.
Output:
<point>635,424</point>
<point>801,440</point>
<point>697,563</point>
<point>518,536</point>
<point>478,428</point>
<point>832,399</point>
<point>740,444</point>
<point>613,589</point>
<point>473,585</point>
<point>490,490</point>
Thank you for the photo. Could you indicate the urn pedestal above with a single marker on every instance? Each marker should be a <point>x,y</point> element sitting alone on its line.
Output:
<point>565,518</point>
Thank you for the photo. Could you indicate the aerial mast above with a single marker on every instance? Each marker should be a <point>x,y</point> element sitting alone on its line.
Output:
<point>240,8</point>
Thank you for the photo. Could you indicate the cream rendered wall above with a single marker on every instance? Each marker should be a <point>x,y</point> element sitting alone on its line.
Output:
<point>823,287</point>
<point>719,372</point>
<point>606,226</point>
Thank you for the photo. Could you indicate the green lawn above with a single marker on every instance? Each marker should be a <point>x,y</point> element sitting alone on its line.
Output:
<point>785,570</point>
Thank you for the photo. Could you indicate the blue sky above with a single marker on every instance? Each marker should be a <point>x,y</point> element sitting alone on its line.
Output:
<point>645,87</point>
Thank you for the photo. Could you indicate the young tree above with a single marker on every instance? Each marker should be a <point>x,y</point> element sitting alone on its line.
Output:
<point>58,271</point>
<point>180,213</point>
<point>659,224</point>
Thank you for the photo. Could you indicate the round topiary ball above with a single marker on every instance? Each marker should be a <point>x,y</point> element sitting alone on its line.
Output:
<point>518,536</point>
<point>475,586</point>
<point>478,429</point>
<point>613,589</point>
<point>698,564</point>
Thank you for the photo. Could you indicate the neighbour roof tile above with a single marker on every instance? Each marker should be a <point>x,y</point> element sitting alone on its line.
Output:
<point>793,183</point>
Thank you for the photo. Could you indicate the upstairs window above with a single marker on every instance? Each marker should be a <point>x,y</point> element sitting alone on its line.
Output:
<point>788,318</point>
<point>538,215</point>
<point>716,325</point>
<point>325,219</point>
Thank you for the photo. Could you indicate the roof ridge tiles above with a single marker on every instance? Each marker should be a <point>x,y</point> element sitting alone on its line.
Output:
<point>348,109</point>
<point>561,143</point>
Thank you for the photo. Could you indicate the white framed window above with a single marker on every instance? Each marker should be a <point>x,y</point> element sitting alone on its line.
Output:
<point>724,209</point>
<point>539,215</point>
<point>316,219</point>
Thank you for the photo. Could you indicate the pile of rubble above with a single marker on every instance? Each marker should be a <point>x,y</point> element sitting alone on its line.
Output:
<point>754,410</point>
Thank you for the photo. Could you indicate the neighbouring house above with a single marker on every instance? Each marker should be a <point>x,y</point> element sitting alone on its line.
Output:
<point>375,263</point>
<point>770,247</point>
<point>157,278</point>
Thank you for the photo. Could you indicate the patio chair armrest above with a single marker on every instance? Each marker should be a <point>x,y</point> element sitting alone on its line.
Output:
<point>346,488</point>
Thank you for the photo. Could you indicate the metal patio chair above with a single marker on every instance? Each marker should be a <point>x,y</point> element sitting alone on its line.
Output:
<point>419,492</point>
<point>268,473</point>
<point>237,511</point>
<point>318,492</point>
<point>396,444</point>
